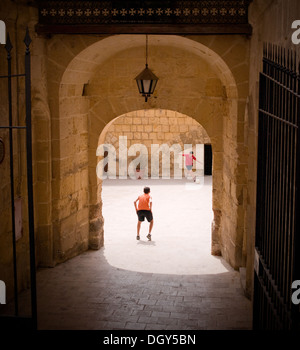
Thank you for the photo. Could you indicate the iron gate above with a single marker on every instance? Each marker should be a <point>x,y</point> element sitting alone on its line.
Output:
<point>277,243</point>
<point>17,321</point>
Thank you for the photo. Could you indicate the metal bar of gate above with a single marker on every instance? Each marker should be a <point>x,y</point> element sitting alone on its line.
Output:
<point>12,76</point>
<point>28,129</point>
<point>8,48</point>
<point>296,248</point>
<point>27,42</point>
<point>12,127</point>
<point>278,182</point>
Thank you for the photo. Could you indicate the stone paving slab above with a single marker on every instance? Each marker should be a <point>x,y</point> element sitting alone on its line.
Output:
<point>170,283</point>
<point>142,306</point>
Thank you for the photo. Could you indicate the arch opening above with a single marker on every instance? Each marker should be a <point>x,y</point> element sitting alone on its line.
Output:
<point>97,87</point>
<point>182,208</point>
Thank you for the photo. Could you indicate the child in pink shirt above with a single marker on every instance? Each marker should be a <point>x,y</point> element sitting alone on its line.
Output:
<point>189,163</point>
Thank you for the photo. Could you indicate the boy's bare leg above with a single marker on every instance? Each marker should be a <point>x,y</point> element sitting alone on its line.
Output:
<point>150,226</point>
<point>150,229</point>
<point>138,228</point>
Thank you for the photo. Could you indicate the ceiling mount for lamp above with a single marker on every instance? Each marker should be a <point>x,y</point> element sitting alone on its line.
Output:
<point>146,80</point>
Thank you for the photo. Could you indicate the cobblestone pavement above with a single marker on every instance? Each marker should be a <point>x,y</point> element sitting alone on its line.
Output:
<point>170,283</point>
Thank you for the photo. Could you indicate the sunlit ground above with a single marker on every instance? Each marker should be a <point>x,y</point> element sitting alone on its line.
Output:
<point>181,236</point>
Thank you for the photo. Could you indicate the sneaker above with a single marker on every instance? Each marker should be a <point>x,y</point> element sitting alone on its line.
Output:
<point>138,237</point>
<point>149,237</point>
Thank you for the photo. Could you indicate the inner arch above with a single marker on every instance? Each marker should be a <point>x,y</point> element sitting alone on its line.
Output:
<point>182,209</point>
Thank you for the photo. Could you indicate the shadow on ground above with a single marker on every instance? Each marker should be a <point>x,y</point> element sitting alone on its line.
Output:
<point>87,293</point>
<point>170,283</point>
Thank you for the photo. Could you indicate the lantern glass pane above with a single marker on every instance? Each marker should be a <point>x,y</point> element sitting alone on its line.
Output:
<point>147,84</point>
<point>153,85</point>
<point>140,86</point>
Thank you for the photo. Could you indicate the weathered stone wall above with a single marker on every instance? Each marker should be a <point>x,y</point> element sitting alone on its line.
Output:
<point>70,177</point>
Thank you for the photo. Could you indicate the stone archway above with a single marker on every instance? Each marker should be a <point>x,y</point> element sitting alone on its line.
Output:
<point>98,85</point>
<point>154,127</point>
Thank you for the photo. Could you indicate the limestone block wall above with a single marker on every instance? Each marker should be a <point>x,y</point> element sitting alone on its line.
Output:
<point>235,164</point>
<point>70,177</point>
<point>155,126</point>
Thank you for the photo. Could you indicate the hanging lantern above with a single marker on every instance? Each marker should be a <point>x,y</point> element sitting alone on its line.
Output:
<point>146,80</point>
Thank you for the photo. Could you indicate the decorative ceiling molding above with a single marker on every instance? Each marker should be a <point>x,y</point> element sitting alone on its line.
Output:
<point>132,16</point>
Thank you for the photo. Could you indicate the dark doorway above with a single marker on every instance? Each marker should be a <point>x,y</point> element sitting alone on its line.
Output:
<point>207,159</point>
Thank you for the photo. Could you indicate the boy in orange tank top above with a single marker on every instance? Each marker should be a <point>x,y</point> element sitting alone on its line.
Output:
<point>144,210</point>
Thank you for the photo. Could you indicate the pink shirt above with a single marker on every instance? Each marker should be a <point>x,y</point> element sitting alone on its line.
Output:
<point>189,159</point>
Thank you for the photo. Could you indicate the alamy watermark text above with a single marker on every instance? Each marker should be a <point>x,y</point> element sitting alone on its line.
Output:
<point>2,292</point>
<point>296,33</point>
<point>2,33</point>
<point>159,169</point>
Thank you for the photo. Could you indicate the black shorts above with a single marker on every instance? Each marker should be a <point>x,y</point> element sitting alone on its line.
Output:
<point>142,214</point>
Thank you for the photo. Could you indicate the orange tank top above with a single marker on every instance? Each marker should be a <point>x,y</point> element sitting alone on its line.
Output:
<point>144,202</point>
